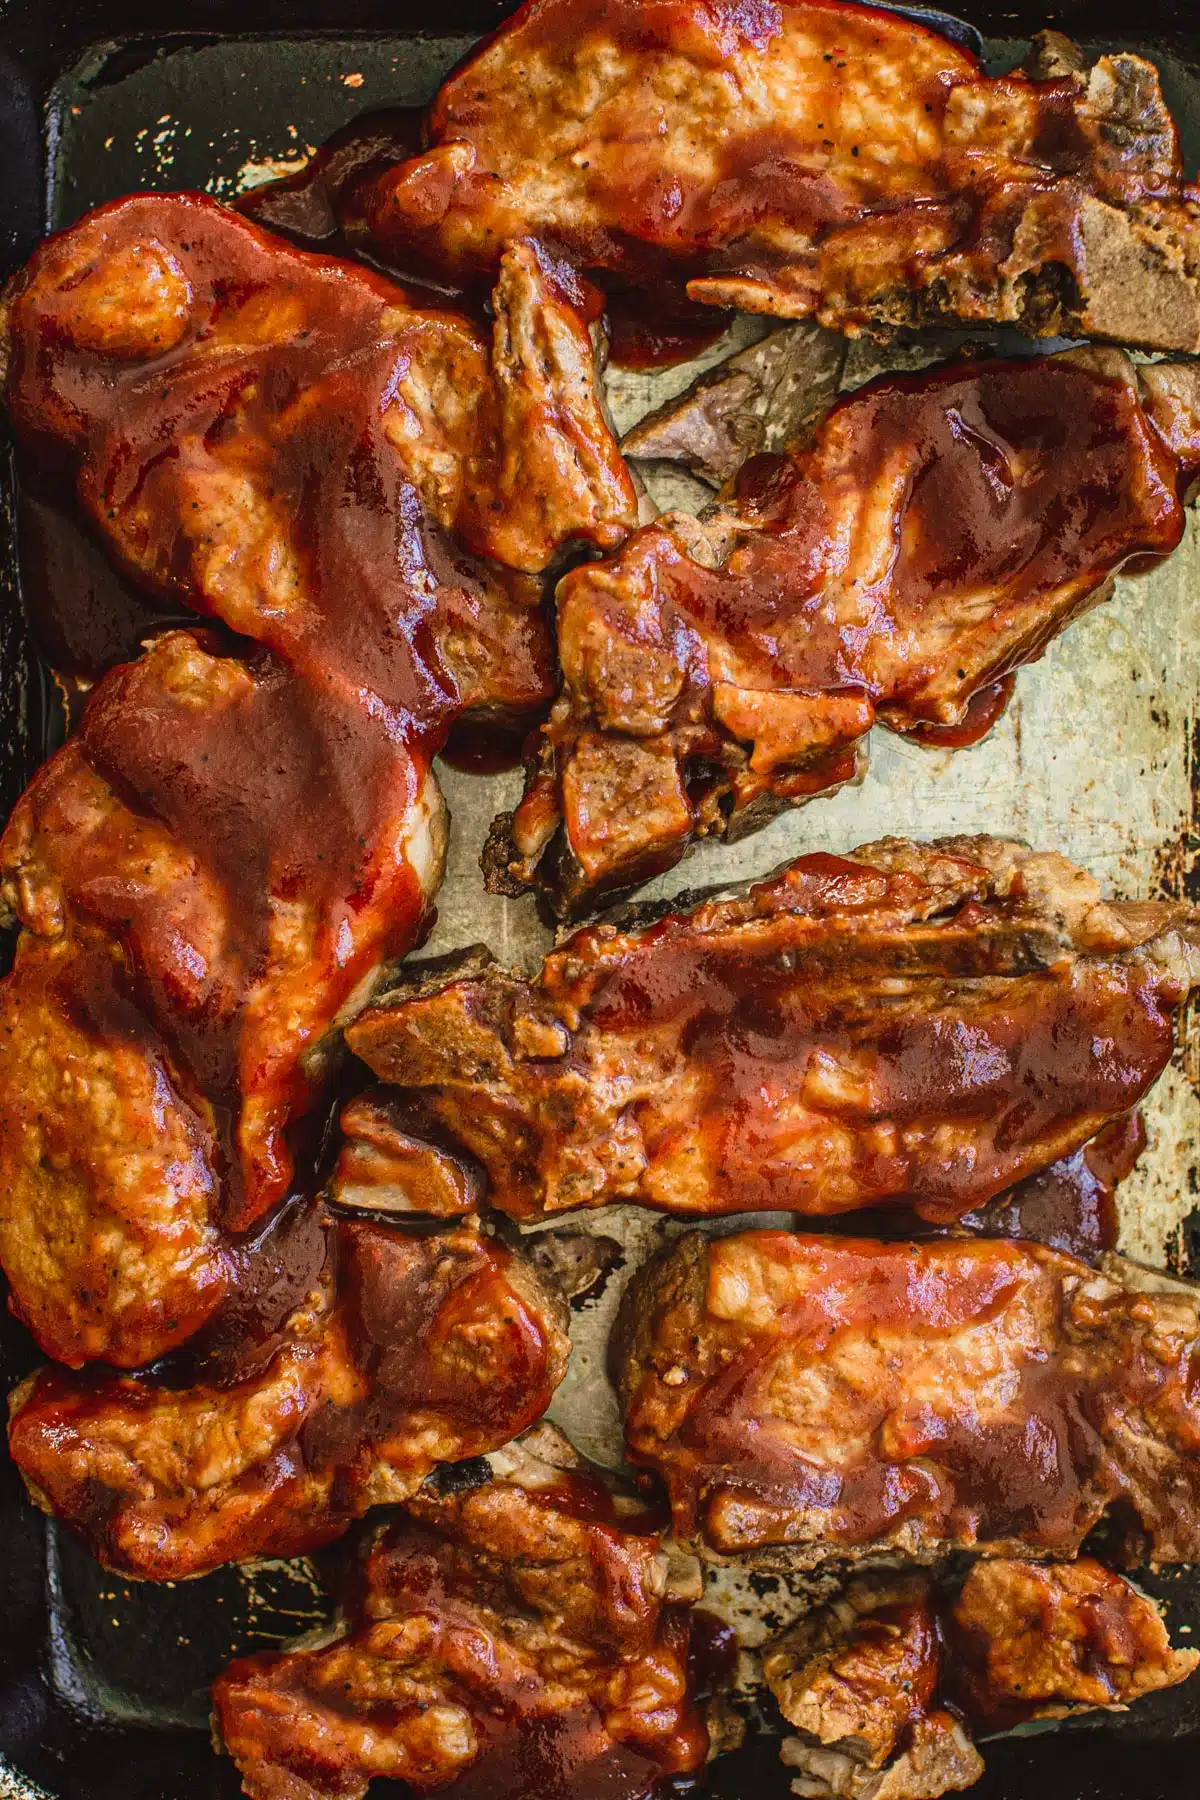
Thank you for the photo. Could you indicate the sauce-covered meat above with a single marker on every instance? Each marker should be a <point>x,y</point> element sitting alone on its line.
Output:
<point>407,1352</point>
<point>807,158</point>
<point>814,1397</point>
<point>917,1023</point>
<point>213,872</point>
<point>940,531</point>
<point>513,1638</point>
<point>870,1679</point>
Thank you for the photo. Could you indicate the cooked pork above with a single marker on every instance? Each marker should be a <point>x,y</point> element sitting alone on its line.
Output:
<point>938,533</point>
<point>860,1680</point>
<point>759,399</point>
<point>515,1638</point>
<point>864,1678</point>
<point>808,1398</point>
<point>406,1353</point>
<point>214,871</point>
<point>186,956</point>
<point>813,159</point>
<point>927,1023</point>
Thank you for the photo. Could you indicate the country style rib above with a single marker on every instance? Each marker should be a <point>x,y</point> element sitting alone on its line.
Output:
<point>405,1353</point>
<point>921,1023</point>
<point>866,1678</point>
<point>809,158</point>
<point>212,874</point>
<point>806,1398</point>
<point>939,532</point>
<point>515,1635</point>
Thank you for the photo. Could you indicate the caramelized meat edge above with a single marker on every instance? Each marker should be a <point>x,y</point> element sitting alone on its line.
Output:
<point>918,1023</point>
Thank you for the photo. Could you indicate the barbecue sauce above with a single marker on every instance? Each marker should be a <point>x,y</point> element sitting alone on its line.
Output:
<point>84,616</point>
<point>652,329</point>
<point>306,206</point>
<point>984,710</point>
<point>751,1017</point>
<point>291,773</point>
<point>1072,1205</point>
<point>1031,1469</point>
<point>964,524</point>
<point>418,1312</point>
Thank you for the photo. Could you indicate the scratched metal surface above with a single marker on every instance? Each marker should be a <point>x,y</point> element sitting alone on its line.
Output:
<point>1094,757</point>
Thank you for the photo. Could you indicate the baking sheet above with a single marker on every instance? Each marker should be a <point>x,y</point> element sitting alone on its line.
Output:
<point>1094,757</point>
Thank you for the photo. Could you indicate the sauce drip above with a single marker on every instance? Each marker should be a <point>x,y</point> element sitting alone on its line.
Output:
<point>653,329</point>
<point>305,206</point>
<point>984,709</point>
<point>484,747</point>
<point>1072,1205</point>
<point>84,616</point>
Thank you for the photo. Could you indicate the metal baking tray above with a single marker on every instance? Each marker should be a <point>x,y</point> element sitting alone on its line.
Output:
<point>103,1684</point>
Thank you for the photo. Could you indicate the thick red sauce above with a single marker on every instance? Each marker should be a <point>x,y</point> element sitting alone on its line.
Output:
<point>1106,1631</point>
<point>411,1312</point>
<point>652,330</point>
<point>85,617</point>
<point>525,1748</point>
<point>1010,1066</point>
<point>984,709</point>
<point>429,1350</point>
<point>1037,1470</point>
<point>485,748</point>
<point>1096,486</point>
<point>275,1270</point>
<point>229,439</point>
<point>306,205</point>
<point>826,190</point>
<point>1072,1205</point>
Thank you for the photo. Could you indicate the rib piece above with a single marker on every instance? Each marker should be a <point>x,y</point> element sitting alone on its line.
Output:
<point>270,368</point>
<point>808,159</point>
<point>513,1640</point>
<point>408,1353</point>
<point>860,1680</point>
<point>926,1023</point>
<point>864,1678</point>
<point>212,874</point>
<point>940,532</point>
<point>1025,1641</point>
<point>811,1397</point>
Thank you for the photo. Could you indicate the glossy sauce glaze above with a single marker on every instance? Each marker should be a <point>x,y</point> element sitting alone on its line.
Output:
<point>653,329</point>
<point>939,533</point>
<point>84,615</point>
<point>1072,1205</point>
<point>875,172</point>
<point>396,1353</point>
<point>1023,1641</point>
<point>528,1610</point>
<point>244,828</point>
<point>943,1098</point>
<point>283,508</point>
<point>902,1440</point>
<point>305,206</point>
<point>924,1026</point>
<point>1021,480</point>
<point>440,1326</point>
